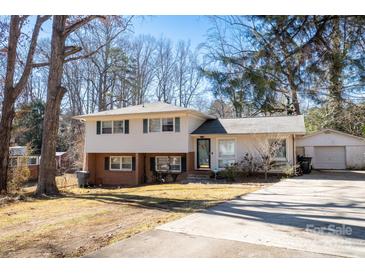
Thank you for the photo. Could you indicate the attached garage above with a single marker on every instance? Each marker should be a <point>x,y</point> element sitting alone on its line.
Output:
<point>331,149</point>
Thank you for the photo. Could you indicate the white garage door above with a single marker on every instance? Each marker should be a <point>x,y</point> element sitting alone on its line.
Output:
<point>329,158</point>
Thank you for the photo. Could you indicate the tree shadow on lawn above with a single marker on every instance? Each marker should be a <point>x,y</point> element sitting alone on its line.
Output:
<point>295,219</point>
<point>166,204</point>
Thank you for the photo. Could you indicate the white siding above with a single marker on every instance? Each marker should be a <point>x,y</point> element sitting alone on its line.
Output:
<point>244,144</point>
<point>354,147</point>
<point>137,141</point>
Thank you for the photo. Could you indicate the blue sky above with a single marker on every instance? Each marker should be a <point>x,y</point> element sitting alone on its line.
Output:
<point>193,28</point>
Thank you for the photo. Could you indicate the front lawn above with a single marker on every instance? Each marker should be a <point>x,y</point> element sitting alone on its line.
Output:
<point>84,220</point>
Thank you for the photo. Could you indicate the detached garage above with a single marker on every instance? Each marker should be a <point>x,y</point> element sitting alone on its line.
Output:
<point>331,149</point>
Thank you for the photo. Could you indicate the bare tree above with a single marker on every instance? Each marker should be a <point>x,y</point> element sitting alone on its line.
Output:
<point>142,53</point>
<point>62,27</point>
<point>164,71</point>
<point>187,74</point>
<point>12,88</point>
<point>265,151</point>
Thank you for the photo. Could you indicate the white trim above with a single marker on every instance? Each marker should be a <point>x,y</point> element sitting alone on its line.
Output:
<point>217,150</point>
<point>36,162</point>
<point>121,163</point>
<point>168,157</point>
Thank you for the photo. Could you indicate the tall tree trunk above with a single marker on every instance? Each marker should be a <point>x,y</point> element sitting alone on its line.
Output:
<point>5,135</point>
<point>47,172</point>
<point>12,89</point>
<point>335,102</point>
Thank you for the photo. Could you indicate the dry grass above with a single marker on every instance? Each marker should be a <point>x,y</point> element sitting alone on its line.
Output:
<point>83,220</point>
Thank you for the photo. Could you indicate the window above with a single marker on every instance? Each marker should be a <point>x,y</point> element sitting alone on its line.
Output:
<point>118,126</point>
<point>126,163</point>
<point>32,160</point>
<point>167,124</point>
<point>106,127</point>
<point>166,163</point>
<point>155,125</point>
<point>278,148</point>
<point>175,164</point>
<point>123,163</point>
<point>13,161</point>
<point>162,163</point>
<point>226,152</point>
<point>161,124</point>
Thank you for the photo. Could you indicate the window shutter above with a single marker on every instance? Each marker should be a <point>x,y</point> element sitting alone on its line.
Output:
<point>183,163</point>
<point>126,126</point>
<point>98,127</point>
<point>133,163</point>
<point>106,163</point>
<point>177,124</point>
<point>145,125</point>
<point>152,164</point>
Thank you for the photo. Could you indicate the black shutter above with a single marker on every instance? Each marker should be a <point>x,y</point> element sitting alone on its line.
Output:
<point>126,126</point>
<point>133,163</point>
<point>183,164</point>
<point>152,163</point>
<point>177,124</point>
<point>145,125</point>
<point>106,163</point>
<point>98,127</point>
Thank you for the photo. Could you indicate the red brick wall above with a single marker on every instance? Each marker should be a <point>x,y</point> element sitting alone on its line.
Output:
<point>99,176</point>
<point>33,172</point>
<point>189,164</point>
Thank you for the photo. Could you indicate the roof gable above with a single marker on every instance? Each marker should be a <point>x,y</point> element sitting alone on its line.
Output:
<point>333,131</point>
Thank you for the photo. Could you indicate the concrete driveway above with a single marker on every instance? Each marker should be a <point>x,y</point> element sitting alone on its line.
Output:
<point>317,215</point>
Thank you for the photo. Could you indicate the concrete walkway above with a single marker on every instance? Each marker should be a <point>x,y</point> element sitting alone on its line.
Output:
<point>317,215</point>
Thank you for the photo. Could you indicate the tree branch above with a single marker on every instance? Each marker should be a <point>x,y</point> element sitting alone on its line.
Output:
<point>75,26</point>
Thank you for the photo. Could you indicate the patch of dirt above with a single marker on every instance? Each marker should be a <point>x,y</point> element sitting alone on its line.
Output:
<point>84,220</point>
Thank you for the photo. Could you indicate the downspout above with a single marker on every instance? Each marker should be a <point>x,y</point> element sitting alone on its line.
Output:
<point>294,154</point>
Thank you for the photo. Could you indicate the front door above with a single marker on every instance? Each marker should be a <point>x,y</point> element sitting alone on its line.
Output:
<point>203,153</point>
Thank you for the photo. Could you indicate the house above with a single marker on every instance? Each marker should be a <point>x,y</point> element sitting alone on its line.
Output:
<point>128,146</point>
<point>19,156</point>
<point>331,149</point>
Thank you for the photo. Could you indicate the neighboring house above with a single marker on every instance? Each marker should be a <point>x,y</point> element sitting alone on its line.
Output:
<point>331,149</point>
<point>127,146</point>
<point>19,156</point>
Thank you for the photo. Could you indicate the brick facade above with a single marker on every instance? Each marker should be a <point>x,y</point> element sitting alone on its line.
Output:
<point>142,173</point>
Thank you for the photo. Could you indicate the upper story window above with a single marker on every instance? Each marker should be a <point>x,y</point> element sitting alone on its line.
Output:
<point>118,126</point>
<point>106,127</point>
<point>155,125</point>
<point>112,127</point>
<point>168,124</point>
<point>161,125</point>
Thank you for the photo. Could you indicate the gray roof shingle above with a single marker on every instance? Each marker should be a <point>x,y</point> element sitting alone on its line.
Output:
<point>279,124</point>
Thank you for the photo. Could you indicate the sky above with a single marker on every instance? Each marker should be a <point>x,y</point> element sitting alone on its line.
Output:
<point>193,28</point>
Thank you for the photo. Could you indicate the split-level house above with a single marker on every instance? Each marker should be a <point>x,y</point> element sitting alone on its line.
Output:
<point>127,146</point>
